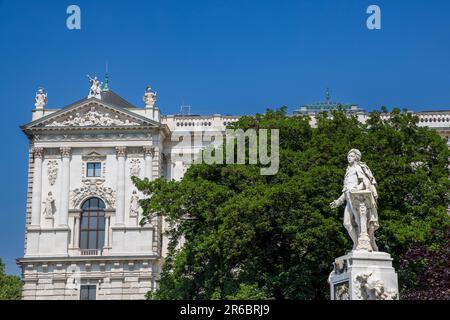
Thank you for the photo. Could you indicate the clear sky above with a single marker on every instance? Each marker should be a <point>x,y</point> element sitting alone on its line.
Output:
<point>229,57</point>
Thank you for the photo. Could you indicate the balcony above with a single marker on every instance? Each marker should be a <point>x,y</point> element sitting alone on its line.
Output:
<point>91,252</point>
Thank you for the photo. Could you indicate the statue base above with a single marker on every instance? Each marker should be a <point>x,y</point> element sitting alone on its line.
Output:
<point>364,275</point>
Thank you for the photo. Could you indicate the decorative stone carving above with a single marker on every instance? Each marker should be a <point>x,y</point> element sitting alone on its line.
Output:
<point>92,188</point>
<point>93,157</point>
<point>95,88</point>
<point>50,206</point>
<point>149,97</point>
<point>40,101</point>
<point>149,151</point>
<point>360,194</point>
<point>368,287</point>
<point>340,266</point>
<point>92,118</point>
<point>38,152</point>
<point>121,151</point>
<point>134,205</point>
<point>52,171</point>
<point>86,136</point>
<point>135,167</point>
<point>66,152</point>
<point>342,292</point>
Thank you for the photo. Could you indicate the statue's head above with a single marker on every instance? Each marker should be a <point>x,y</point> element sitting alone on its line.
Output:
<point>353,156</point>
<point>148,89</point>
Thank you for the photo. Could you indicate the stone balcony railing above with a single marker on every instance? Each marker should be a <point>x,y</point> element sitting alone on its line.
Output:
<point>91,252</point>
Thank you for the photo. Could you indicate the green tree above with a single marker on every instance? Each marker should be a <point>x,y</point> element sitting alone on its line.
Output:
<point>10,286</point>
<point>235,233</point>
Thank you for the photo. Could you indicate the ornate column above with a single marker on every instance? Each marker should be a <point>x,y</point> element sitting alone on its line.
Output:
<point>120,201</point>
<point>37,187</point>
<point>65,186</point>
<point>148,158</point>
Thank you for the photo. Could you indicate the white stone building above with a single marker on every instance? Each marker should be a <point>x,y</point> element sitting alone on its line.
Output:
<point>83,239</point>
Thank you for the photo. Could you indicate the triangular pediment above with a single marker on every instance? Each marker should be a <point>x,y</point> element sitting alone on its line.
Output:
<point>92,113</point>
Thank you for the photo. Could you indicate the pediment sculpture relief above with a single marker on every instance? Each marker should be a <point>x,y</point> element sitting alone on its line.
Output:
<point>92,118</point>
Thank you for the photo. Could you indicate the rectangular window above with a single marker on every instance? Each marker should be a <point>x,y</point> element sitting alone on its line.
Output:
<point>94,169</point>
<point>88,292</point>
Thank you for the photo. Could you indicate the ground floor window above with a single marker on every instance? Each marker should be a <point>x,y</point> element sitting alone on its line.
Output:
<point>88,292</point>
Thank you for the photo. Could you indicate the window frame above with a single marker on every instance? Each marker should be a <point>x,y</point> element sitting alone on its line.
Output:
<point>92,223</point>
<point>97,169</point>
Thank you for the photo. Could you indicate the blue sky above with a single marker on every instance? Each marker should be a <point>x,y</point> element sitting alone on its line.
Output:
<point>229,57</point>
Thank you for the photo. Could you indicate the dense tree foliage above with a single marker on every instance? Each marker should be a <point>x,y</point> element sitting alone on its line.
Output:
<point>244,235</point>
<point>10,286</point>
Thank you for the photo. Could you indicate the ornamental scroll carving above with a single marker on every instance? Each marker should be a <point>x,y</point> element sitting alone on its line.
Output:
<point>52,171</point>
<point>92,188</point>
<point>92,118</point>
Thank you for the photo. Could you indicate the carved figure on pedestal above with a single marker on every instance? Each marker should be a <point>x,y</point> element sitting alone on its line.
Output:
<point>95,88</point>
<point>360,195</point>
<point>40,99</point>
<point>134,205</point>
<point>49,206</point>
<point>149,97</point>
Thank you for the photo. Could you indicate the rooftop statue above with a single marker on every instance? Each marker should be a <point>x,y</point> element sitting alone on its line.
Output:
<point>149,97</point>
<point>95,88</point>
<point>41,99</point>
<point>360,195</point>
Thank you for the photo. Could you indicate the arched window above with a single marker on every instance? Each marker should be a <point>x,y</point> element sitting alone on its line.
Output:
<point>92,224</point>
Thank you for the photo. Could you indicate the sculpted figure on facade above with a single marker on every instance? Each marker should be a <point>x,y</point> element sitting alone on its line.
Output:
<point>149,97</point>
<point>360,195</point>
<point>95,88</point>
<point>135,167</point>
<point>40,101</point>
<point>134,204</point>
<point>49,205</point>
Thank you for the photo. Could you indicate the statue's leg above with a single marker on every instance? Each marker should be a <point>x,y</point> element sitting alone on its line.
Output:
<point>349,226</point>
<point>372,239</point>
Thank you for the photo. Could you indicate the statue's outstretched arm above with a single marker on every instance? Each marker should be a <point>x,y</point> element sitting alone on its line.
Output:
<point>338,202</point>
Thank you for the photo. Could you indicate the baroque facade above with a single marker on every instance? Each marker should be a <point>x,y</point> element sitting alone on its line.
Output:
<point>83,238</point>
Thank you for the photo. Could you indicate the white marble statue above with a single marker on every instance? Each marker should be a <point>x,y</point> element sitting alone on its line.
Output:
<point>95,88</point>
<point>360,195</point>
<point>40,101</point>
<point>149,97</point>
<point>49,206</point>
<point>134,205</point>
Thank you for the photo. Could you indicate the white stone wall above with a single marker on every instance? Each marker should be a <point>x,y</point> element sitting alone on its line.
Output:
<point>114,279</point>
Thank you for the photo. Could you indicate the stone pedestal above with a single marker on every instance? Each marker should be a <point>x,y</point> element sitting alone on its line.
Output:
<point>363,275</point>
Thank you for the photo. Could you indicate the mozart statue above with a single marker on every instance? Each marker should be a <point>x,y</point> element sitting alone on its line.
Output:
<point>360,195</point>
